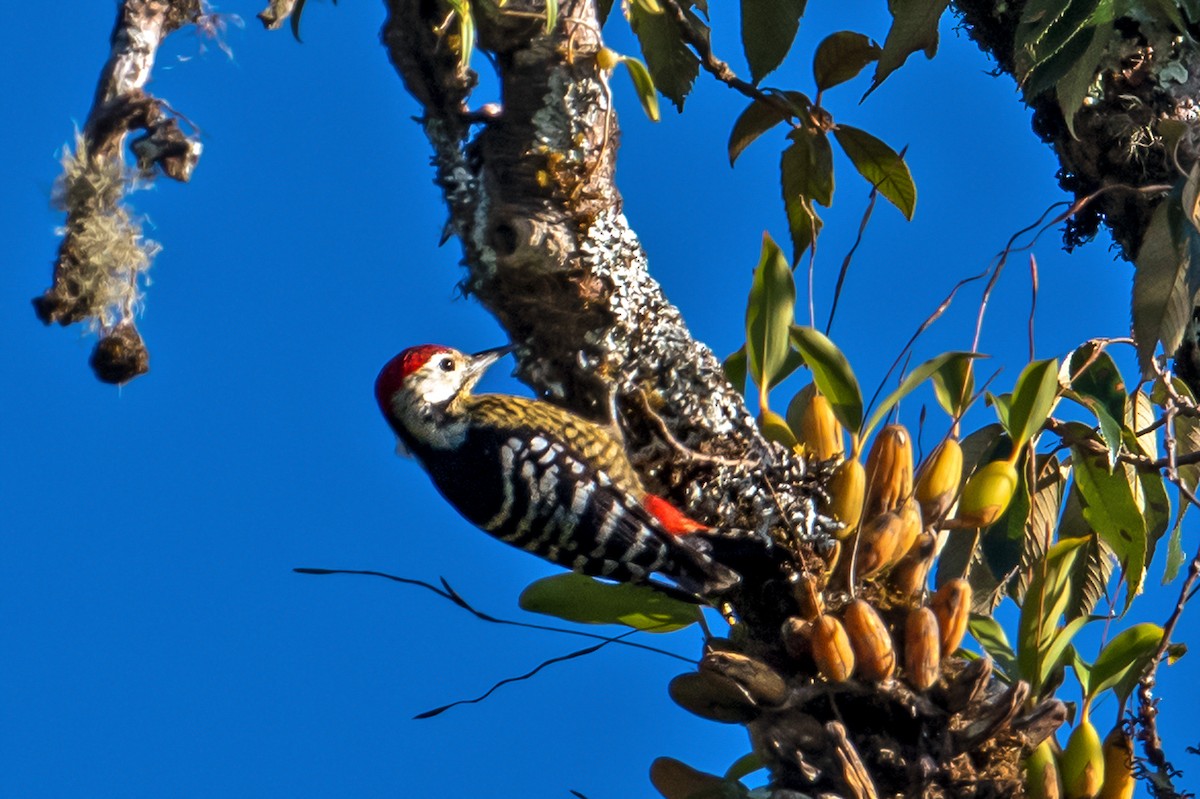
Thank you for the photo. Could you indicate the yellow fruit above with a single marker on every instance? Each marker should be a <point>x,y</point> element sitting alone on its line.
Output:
<point>1041,774</point>
<point>878,542</point>
<point>774,428</point>
<point>846,488</point>
<point>937,482</point>
<point>889,470</point>
<point>831,648</point>
<point>810,415</point>
<point>874,653</point>
<point>1082,762</point>
<point>951,604</point>
<point>922,648</point>
<point>1118,765</point>
<point>908,576</point>
<point>987,494</point>
<point>606,59</point>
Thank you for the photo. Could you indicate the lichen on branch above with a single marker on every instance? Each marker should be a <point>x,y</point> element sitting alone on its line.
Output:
<point>103,256</point>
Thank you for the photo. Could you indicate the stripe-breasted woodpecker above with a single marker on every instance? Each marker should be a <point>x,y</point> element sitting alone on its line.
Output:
<point>539,477</point>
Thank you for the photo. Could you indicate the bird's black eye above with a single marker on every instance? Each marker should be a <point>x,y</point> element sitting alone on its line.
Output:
<point>446,364</point>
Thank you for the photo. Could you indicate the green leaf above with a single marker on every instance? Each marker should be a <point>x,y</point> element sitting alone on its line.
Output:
<point>1100,380</point>
<point>674,779</point>
<point>769,314</point>
<point>551,15</point>
<point>909,383</point>
<point>466,31</point>
<point>1042,519</point>
<point>1111,432</point>
<point>1123,659</point>
<point>745,765</point>
<point>914,27</point>
<point>1076,84</point>
<point>1045,602</point>
<point>1175,556</point>
<point>768,28</point>
<point>643,84</point>
<point>841,56</point>
<point>1059,650</point>
<point>1033,399</point>
<point>953,384</point>
<point>882,167</point>
<point>735,369</point>
<point>832,375</point>
<point>1093,574</point>
<point>759,117</point>
<point>1046,29</point>
<point>1187,442</point>
<point>1156,507</point>
<point>990,635</point>
<point>1109,507</point>
<point>804,225</point>
<point>671,64</point>
<point>1165,282</point>
<point>808,166</point>
<point>586,600</point>
<point>1002,404</point>
<point>775,428</point>
<point>806,174</point>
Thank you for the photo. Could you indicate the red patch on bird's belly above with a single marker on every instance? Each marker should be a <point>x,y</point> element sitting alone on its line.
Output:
<point>672,518</point>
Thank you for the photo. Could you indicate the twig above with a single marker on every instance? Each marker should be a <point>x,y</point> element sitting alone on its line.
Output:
<point>527,675</point>
<point>661,425</point>
<point>448,593</point>
<point>862,227</point>
<point>720,70</point>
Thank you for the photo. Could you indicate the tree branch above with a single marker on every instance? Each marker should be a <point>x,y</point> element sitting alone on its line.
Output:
<point>103,255</point>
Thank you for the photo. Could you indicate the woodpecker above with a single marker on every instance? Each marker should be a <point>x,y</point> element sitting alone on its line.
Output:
<point>539,477</point>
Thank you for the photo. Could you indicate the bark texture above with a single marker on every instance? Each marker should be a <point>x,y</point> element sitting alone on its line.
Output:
<point>549,252</point>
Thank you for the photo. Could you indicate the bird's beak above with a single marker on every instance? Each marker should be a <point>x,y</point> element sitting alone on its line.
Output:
<point>481,361</point>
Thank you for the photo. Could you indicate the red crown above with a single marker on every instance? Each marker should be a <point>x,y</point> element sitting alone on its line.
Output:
<point>391,377</point>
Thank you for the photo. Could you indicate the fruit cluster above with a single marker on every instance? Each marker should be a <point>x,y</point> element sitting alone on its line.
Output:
<point>889,516</point>
<point>891,519</point>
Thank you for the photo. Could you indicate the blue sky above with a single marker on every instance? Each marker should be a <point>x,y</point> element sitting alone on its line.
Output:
<point>153,640</point>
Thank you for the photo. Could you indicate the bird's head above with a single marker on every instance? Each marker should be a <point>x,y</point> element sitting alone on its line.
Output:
<point>423,382</point>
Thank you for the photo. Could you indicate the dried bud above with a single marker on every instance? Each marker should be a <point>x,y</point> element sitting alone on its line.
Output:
<point>937,482</point>
<point>911,525</point>
<point>870,640</point>
<point>877,543</point>
<point>831,648</point>
<point>889,470</point>
<point>797,638</point>
<point>952,606</point>
<point>987,494</point>
<point>922,648</point>
<point>807,593</point>
<point>908,576</point>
